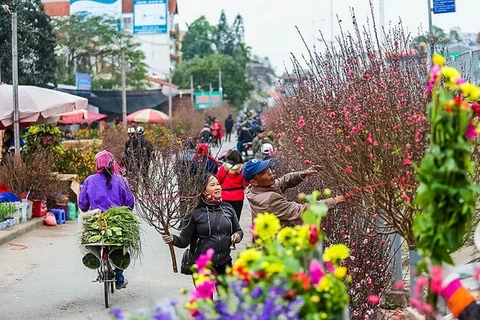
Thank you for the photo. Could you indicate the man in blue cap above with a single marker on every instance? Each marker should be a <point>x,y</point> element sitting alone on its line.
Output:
<point>266,194</point>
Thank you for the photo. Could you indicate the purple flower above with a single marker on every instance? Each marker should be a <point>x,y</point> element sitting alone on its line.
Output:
<point>117,313</point>
<point>257,292</point>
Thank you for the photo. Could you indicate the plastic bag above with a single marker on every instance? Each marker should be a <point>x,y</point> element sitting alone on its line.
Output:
<point>50,220</point>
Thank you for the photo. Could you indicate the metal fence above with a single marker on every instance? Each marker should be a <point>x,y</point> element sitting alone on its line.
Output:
<point>468,63</point>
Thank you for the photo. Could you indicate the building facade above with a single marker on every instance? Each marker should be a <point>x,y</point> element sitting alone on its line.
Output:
<point>152,23</point>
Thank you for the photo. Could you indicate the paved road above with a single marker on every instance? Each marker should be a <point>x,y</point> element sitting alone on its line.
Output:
<point>48,281</point>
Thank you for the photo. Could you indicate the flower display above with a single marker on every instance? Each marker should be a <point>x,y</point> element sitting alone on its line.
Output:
<point>282,275</point>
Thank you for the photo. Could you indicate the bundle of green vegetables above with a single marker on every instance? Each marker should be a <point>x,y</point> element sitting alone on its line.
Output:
<point>116,226</point>
<point>7,211</point>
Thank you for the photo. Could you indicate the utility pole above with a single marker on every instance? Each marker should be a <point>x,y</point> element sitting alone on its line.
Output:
<point>192,95</point>
<point>16,112</point>
<point>170,94</point>
<point>381,8</point>
<point>430,27</point>
<point>124,91</point>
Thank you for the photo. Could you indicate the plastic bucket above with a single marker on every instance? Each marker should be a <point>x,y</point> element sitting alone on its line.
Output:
<point>29,208</point>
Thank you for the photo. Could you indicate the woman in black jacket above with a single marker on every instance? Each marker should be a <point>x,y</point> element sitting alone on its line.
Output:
<point>212,225</point>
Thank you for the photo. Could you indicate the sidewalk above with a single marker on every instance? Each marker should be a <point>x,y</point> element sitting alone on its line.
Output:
<point>20,229</point>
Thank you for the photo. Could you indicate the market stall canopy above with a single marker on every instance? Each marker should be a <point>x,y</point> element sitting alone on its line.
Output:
<point>148,116</point>
<point>81,116</point>
<point>110,101</point>
<point>37,104</point>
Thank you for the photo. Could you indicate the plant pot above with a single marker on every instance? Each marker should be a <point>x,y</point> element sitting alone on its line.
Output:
<point>10,222</point>
<point>3,225</point>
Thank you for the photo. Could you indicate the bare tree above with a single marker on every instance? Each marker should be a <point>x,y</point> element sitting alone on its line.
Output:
<point>165,190</point>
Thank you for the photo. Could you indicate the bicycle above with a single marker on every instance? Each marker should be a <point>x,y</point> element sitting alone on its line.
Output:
<point>106,273</point>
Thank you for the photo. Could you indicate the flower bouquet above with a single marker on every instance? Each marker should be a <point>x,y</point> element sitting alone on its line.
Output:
<point>285,276</point>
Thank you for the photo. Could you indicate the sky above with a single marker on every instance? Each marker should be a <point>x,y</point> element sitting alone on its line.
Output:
<point>270,24</point>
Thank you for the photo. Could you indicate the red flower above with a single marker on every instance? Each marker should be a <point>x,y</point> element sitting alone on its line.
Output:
<point>301,123</point>
<point>313,234</point>
<point>303,279</point>
<point>406,162</point>
<point>290,294</point>
<point>348,170</point>
<point>306,161</point>
<point>405,197</point>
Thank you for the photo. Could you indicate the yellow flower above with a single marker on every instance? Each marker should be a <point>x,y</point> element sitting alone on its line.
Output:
<point>200,278</point>
<point>287,237</point>
<point>274,268</point>
<point>324,284</point>
<point>315,299</point>
<point>438,59</point>
<point>336,252</point>
<point>248,257</point>
<point>470,91</point>
<point>451,74</point>
<point>266,226</point>
<point>340,272</point>
<point>302,236</point>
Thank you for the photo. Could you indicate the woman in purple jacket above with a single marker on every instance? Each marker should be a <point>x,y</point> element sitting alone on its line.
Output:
<point>105,189</point>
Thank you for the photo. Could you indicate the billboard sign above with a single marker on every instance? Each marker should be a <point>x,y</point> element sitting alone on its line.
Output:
<point>83,81</point>
<point>443,6</point>
<point>150,16</point>
<point>207,99</point>
<point>112,8</point>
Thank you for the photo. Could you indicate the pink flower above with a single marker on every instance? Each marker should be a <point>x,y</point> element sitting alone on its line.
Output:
<point>329,266</point>
<point>436,279</point>
<point>415,302</point>
<point>394,128</point>
<point>476,274</point>
<point>373,299</point>
<point>351,98</point>
<point>316,272</point>
<point>299,140</point>
<point>406,162</point>
<point>279,135</point>
<point>405,197</point>
<point>371,156</point>
<point>204,259</point>
<point>471,132</point>
<point>348,170</point>
<point>204,290</point>
<point>348,149</point>
<point>301,123</point>
<point>306,161</point>
<point>399,285</point>
<point>369,138</point>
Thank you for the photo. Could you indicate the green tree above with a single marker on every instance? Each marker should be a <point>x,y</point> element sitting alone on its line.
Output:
<point>198,39</point>
<point>205,72</point>
<point>93,45</point>
<point>36,43</point>
<point>440,38</point>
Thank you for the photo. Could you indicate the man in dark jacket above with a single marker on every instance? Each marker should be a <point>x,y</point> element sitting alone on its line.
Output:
<point>229,127</point>
<point>130,152</point>
<point>145,153</point>
<point>246,135</point>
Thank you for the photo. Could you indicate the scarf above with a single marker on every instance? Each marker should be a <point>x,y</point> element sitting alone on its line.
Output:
<point>211,200</point>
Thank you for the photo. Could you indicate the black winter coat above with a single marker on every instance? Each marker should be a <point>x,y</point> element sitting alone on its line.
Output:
<point>201,227</point>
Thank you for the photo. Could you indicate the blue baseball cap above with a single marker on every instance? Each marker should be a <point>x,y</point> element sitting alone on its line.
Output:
<point>253,167</point>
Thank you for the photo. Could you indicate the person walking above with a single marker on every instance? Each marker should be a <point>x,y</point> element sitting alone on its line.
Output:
<point>106,189</point>
<point>231,179</point>
<point>213,224</point>
<point>144,153</point>
<point>258,142</point>
<point>246,135</point>
<point>130,153</point>
<point>229,123</point>
<point>266,194</point>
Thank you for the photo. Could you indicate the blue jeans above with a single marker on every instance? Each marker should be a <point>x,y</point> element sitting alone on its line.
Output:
<point>119,278</point>
<point>240,146</point>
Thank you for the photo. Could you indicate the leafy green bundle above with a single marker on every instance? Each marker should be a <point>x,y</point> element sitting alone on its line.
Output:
<point>116,226</point>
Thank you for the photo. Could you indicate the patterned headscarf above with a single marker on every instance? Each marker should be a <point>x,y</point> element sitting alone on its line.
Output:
<point>105,160</point>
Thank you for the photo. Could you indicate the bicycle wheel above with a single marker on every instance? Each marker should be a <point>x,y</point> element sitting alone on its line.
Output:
<point>106,283</point>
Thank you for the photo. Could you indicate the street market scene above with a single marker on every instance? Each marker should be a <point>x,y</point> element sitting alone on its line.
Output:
<point>194,159</point>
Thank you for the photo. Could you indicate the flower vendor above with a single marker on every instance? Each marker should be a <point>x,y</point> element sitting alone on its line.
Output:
<point>265,193</point>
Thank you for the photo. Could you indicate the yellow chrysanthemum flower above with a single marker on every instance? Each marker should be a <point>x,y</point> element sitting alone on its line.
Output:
<point>266,226</point>
<point>340,272</point>
<point>274,268</point>
<point>302,236</point>
<point>438,59</point>
<point>450,73</point>
<point>470,91</point>
<point>324,284</point>
<point>336,252</point>
<point>287,237</point>
<point>248,257</point>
